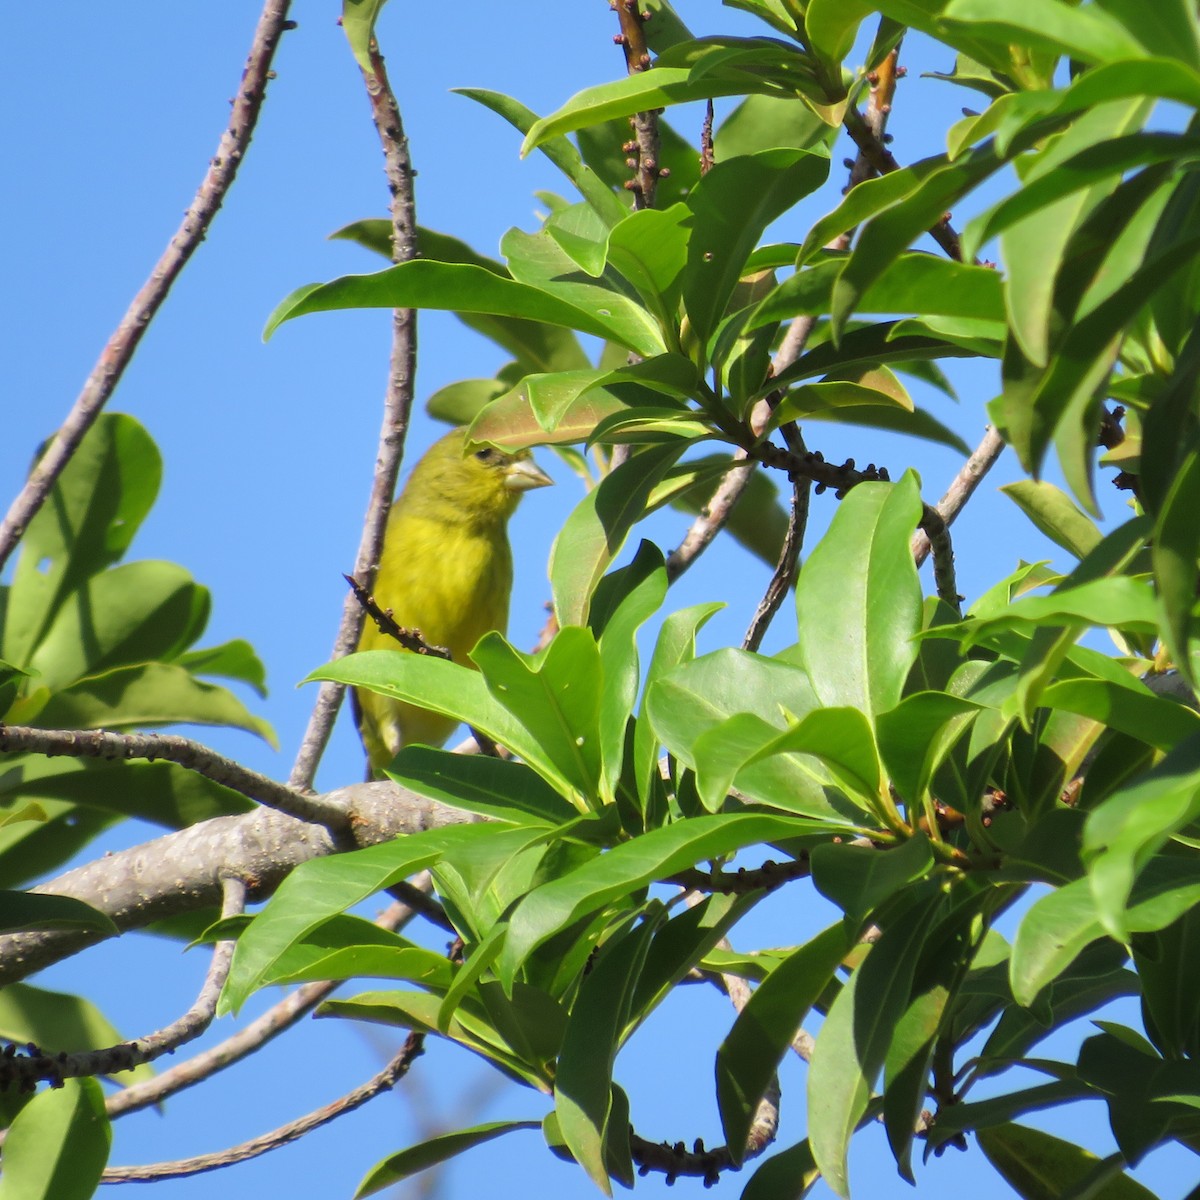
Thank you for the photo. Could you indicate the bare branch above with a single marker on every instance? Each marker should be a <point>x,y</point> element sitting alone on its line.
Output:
<point>961,489</point>
<point>120,348</point>
<point>785,569</point>
<point>935,529</point>
<point>25,1069</point>
<point>280,1017</point>
<point>387,1079</point>
<point>397,408</point>
<point>645,144</point>
<point>97,743</point>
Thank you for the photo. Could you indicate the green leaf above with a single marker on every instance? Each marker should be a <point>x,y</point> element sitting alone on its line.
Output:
<point>858,879</point>
<point>832,26</point>
<point>32,910</point>
<point>557,149</point>
<point>58,1145</point>
<point>637,592</point>
<point>913,283</point>
<point>583,1082</point>
<point>1175,549</point>
<point>1135,822</point>
<point>767,123</point>
<point>432,1152</point>
<point>884,238</point>
<point>750,1054</point>
<point>854,1039</point>
<point>733,204</point>
<point>445,687</point>
<point>916,736</point>
<point>1088,34</point>
<point>1039,1166</point>
<point>492,787</point>
<point>155,693</point>
<point>358,24</point>
<point>133,613</point>
<point>857,628</point>
<point>630,866</point>
<point>555,696</point>
<point>230,660</point>
<point>1132,709</point>
<point>791,1173</point>
<point>537,260</point>
<point>596,530</point>
<point>459,288</point>
<point>319,889</point>
<point>1055,515</point>
<point>87,523</point>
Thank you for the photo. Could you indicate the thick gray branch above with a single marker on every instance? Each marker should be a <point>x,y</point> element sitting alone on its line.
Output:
<point>183,871</point>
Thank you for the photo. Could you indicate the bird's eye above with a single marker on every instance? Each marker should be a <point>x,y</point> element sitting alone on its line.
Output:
<point>487,455</point>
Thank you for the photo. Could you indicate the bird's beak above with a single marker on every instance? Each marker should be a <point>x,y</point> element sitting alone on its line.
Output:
<point>524,474</point>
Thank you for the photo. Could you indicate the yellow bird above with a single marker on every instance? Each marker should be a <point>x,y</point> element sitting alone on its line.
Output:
<point>446,571</point>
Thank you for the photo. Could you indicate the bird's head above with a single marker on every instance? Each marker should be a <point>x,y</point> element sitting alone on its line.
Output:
<point>482,482</point>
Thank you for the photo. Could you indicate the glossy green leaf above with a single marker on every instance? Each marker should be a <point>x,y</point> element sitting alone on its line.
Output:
<point>1176,548</point>
<point>459,288</point>
<point>448,688</point>
<point>853,1041</point>
<point>58,1144</point>
<point>583,1081</point>
<point>733,204</point>
<point>791,1173</point>
<point>1088,34</point>
<point>858,879</point>
<point>235,659</point>
<point>857,628</point>
<point>497,788</point>
<point>432,1152</point>
<point>317,890</point>
<point>1055,515</point>
<point>750,1054</point>
<point>1039,1166</point>
<point>916,735</point>
<point>596,530</point>
<point>555,696</point>
<point>630,866</point>
<point>1132,709</point>
<point>634,594</point>
<point>557,149</point>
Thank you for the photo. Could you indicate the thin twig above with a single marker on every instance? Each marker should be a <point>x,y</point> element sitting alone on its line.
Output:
<point>98,743</point>
<point>25,1069</point>
<point>645,144</point>
<point>961,489</point>
<point>785,570</point>
<point>384,1081</point>
<point>397,407</point>
<point>280,1017</point>
<point>935,529</point>
<point>119,350</point>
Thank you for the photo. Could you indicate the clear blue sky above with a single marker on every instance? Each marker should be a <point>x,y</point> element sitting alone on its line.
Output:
<point>111,113</point>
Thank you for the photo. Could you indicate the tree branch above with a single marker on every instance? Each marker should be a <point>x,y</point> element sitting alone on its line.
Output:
<point>384,1081</point>
<point>119,350</point>
<point>645,144</point>
<point>183,871</point>
<point>25,1069</point>
<point>98,743</point>
<point>280,1017</point>
<point>397,408</point>
<point>962,487</point>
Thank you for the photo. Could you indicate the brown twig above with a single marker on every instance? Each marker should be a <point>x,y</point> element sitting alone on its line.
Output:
<point>384,1081</point>
<point>24,1069</point>
<point>961,489</point>
<point>410,639</point>
<point>119,350</point>
<point>645,144</point>
<point>933,526</point>
<point>707,158</point>
<point>745,879</point>
<point>151,747</point>
<point>397,407</point>
<point>280,1017</point>
<point>784,574</point>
